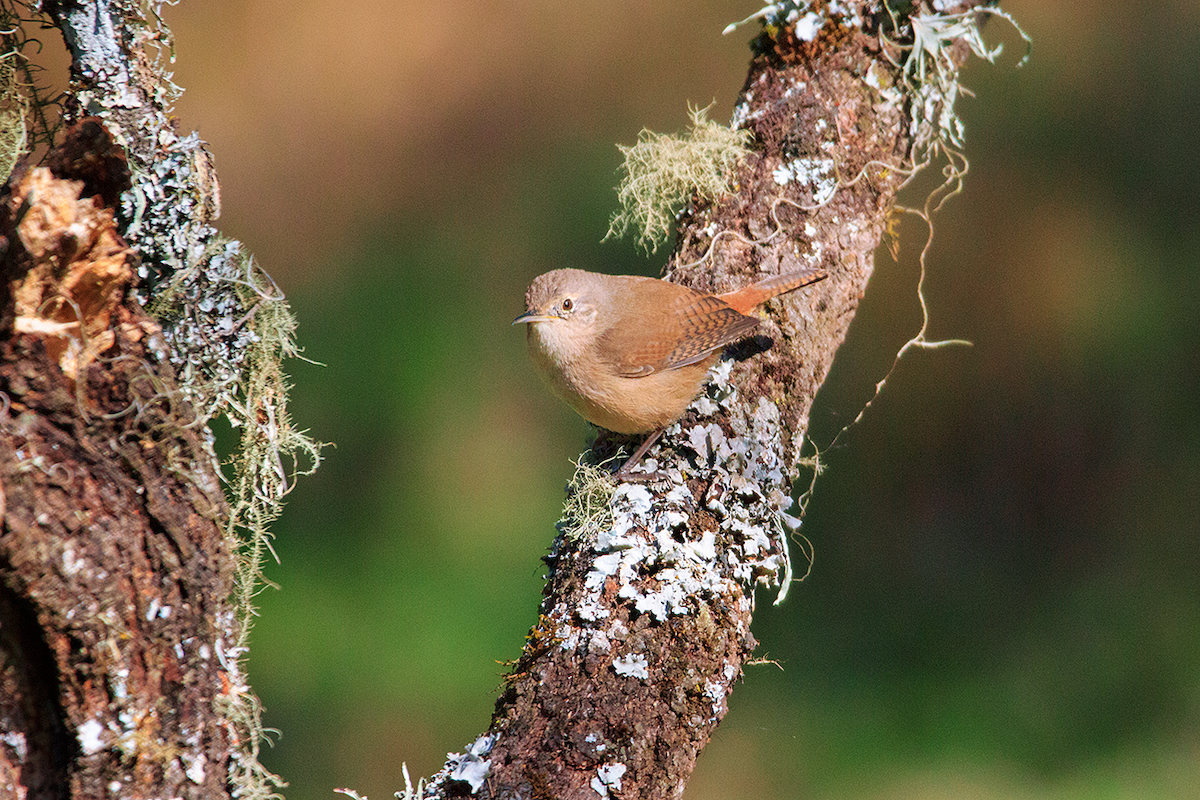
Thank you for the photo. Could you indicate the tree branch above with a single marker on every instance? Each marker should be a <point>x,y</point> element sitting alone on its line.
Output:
<point>645,620</point>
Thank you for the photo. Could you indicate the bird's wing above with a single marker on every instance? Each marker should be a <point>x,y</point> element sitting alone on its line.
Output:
<point>711,325</point>
<point>704,325</point>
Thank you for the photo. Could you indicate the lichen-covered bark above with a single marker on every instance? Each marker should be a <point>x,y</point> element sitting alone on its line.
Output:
<point>115,571</point>
<point>121,591</point>
<point>113,576</point>
<point>645,622</point>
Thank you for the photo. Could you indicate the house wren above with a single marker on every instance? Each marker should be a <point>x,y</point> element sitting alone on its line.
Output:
<point>628,353</point>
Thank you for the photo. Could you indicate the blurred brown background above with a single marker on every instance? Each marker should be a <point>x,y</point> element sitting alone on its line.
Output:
<point>1004,602</point>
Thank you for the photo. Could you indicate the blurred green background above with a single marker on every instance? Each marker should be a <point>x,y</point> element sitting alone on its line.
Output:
<point>1004,602</point>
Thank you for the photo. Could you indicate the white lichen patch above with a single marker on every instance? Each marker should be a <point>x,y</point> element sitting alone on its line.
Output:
<point>847,12</point>
<point>91,737</point>
<point>119,684</point>
<point>608,777</point>
<point>469,767</point>
<point>16,741</point>
<point>808,26</point>
<point>745,112</point>
<point>715,692</point>
<point>816,172</point>
<point>804,16</point>
<point>196,769</point>
<point>880,78</point>
<point>72,564</point>
<point>633,665</point>
<point>592,611</point>
<point>598,642</point>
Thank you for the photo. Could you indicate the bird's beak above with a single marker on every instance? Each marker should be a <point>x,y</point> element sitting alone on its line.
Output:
<point>530,316</point>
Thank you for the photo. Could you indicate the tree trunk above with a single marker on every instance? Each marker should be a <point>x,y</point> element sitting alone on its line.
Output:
<point>124,587</point>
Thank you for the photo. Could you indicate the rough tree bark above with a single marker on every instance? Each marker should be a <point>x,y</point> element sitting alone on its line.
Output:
<point>122,590</point>
<point>645,619</point>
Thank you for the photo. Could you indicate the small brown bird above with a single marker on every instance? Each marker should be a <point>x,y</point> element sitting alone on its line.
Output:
<point>629,353</point>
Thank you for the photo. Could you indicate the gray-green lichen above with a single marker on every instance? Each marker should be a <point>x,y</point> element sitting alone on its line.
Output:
<point>646,548</point>
<point>14,105</point>
<point>663,171</point>
<point>919,45</point>
<point>586,511</point>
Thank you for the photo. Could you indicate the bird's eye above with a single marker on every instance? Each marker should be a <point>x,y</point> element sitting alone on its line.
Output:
<point>567,304</point>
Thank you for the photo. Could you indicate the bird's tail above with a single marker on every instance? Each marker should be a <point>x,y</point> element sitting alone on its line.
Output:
<point>748,297</point>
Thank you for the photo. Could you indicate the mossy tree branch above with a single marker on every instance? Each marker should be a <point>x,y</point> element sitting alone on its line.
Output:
<point>644,625</point>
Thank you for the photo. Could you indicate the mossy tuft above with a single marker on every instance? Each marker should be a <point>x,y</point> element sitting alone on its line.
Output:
<point>663,171</point>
